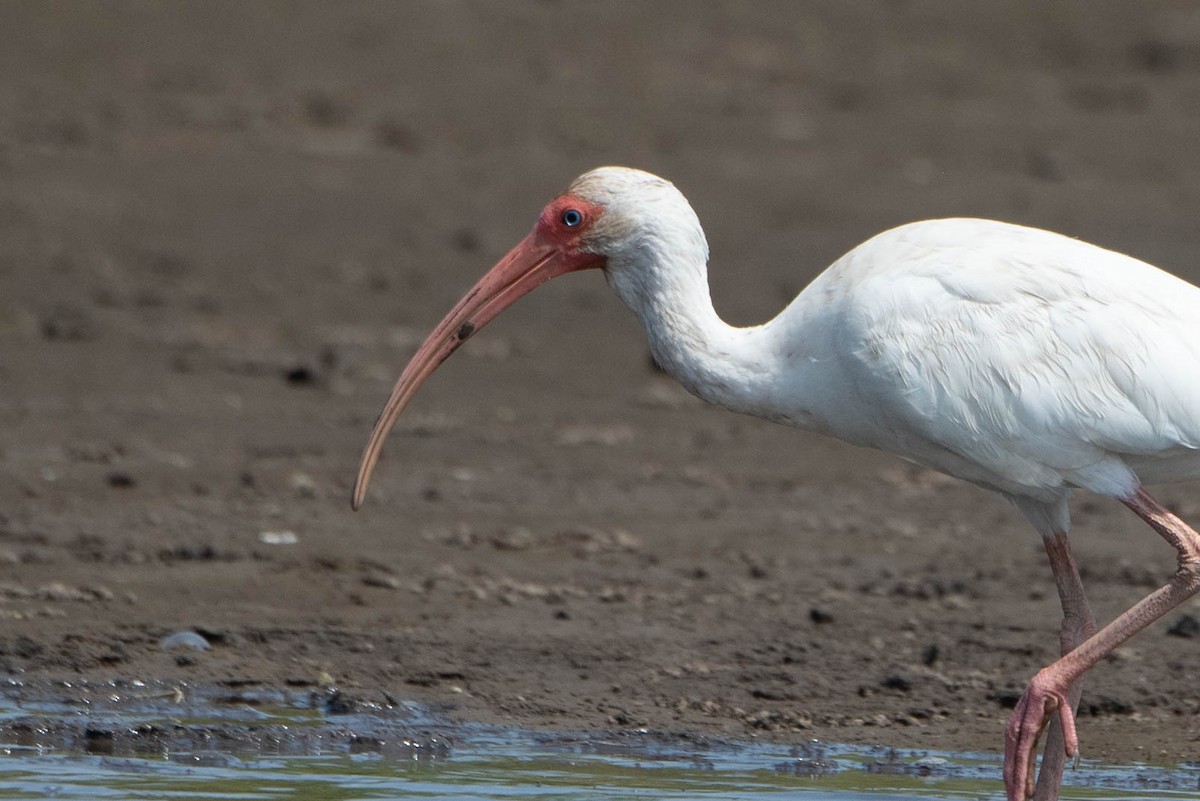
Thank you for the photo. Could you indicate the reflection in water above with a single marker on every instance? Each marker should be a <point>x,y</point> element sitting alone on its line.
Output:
<point>144,743</point>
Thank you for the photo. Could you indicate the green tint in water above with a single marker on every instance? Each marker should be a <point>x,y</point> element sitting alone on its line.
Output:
<point>519,768</point>
<point>282,747</point>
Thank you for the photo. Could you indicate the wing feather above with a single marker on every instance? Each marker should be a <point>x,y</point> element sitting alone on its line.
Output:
<point>1043,360</point>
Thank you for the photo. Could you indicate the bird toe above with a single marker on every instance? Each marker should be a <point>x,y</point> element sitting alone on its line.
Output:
<point>1041,700</point>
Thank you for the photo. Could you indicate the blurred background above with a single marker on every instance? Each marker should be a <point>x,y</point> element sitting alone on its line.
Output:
<point>225,226</point>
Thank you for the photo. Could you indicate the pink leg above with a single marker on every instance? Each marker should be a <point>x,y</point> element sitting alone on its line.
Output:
<point>1078,624</point>
<point>1046,694</point>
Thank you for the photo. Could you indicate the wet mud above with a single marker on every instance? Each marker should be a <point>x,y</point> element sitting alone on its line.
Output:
<point>224,227</point>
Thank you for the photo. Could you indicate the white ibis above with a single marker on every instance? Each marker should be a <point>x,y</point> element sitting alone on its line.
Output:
<point>1014,358</point>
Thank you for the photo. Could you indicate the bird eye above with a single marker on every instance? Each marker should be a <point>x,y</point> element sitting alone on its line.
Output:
<point>572,218</point>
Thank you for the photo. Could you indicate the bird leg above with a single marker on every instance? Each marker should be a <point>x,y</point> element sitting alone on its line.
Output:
<point>1047,692</point>
<point>1078,624</point>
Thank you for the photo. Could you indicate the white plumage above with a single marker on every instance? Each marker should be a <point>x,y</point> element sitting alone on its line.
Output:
<point>1017,359</point>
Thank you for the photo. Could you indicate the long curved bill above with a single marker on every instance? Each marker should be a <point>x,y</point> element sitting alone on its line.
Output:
<point>527,266</point>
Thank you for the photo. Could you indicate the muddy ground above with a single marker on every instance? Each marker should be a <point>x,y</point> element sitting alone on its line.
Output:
<point>224,227</point>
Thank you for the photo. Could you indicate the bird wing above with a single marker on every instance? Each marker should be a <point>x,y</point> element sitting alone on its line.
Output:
<point>1038,359</point>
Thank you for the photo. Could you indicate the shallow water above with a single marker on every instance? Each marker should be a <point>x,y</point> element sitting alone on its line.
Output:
<point>155,744</point>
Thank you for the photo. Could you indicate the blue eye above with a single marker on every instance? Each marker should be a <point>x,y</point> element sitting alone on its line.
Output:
<point>572,217</point>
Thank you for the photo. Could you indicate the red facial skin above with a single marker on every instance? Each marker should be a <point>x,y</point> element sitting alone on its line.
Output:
<point>551,249</point>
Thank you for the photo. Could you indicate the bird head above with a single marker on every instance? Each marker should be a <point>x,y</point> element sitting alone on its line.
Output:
<point>603,221</point>
<point>645,234</point>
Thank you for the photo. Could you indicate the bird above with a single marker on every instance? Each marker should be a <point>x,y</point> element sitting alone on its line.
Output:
<point>1020,360</point>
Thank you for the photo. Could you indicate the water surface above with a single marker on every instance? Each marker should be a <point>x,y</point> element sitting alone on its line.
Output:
<point>145,743</point>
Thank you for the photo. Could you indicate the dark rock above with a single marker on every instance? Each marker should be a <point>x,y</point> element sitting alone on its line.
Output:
<point>120,479</point>
<point>1187,626</point>
<point>819,616</point>
<point>300,375</point>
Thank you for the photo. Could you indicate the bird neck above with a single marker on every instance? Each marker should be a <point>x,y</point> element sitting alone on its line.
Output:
<point>722,364</point>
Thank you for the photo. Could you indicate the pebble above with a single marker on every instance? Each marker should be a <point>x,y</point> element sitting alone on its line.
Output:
<point>589,434</point>
<point>278,538</point>
<point>519,539</point>
<point>382,580</point>
<point>120,479</point>
<point>818,615</point>
<point>1187,626</point>
<point>303,485</point>
<point>184,639</point>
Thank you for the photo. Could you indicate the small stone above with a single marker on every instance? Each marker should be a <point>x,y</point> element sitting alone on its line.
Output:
<point>819,616</point>
<point>591,434</point>
<point>516,540</point>
<point>1187,627</point>
<point>303,485</point>
<point>931,764</point>
<point>300,375</point>
<point>184,639</point>
<point>382,580</point>
<point>120,479</point>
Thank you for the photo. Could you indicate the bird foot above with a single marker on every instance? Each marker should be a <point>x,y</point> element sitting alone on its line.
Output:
<point>1046,694</point>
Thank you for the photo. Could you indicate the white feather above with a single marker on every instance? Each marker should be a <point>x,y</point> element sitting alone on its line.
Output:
<point>1015,358</point>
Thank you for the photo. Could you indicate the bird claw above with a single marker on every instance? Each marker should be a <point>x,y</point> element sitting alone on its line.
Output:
<point>1045,694</point>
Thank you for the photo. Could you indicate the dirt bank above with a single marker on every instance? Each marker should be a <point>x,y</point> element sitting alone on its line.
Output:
<point>223,228</point>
